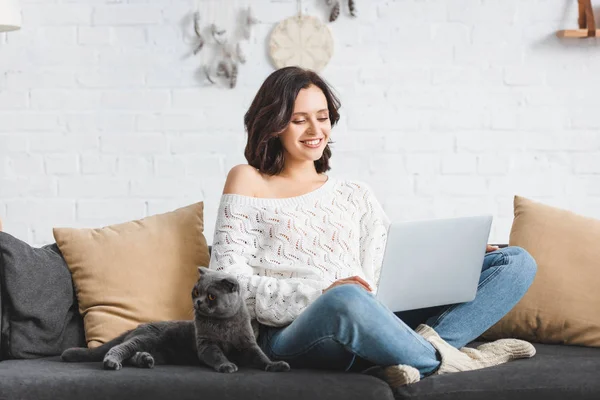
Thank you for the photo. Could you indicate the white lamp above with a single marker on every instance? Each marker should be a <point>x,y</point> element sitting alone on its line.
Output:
<point>10,15</point>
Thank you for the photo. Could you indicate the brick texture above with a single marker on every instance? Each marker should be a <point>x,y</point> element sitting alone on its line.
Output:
<point>449,108</point>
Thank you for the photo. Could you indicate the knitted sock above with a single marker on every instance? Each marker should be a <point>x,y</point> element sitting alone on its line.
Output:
<point>396,375</point>
<point>468,359</point>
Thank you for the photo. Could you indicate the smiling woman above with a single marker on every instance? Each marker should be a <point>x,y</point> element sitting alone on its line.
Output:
<point>307,251</point>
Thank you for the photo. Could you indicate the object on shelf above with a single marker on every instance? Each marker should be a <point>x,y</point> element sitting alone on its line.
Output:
<point>10,15</point>
<point>587,25</point>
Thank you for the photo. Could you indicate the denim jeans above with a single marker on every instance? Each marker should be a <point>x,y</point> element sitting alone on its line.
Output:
<point>348,327</point>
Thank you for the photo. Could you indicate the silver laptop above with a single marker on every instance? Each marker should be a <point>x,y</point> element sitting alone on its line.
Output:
<point>433,262</point>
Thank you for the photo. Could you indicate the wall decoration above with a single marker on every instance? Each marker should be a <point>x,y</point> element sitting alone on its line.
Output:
<point>336,8</point>
<point>220,65</point>
<point>352,8</point>
<point>301,40</point>
<point>335,12</point>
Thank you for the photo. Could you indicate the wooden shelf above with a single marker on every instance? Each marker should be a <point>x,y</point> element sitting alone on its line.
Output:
<point>586,23</point>
<point>575,33</point>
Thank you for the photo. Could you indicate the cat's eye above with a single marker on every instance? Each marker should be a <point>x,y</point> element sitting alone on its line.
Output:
<point>211,297</point>
<point>195,293</point>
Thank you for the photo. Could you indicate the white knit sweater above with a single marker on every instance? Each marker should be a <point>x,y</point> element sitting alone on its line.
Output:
<point>284,252</point>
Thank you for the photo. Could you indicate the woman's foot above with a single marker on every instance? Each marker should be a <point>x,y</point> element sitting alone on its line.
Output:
<point>468,359</point>
<point>396,375</point>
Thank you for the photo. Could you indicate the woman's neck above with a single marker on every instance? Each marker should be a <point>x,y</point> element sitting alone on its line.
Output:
<point>301,172</point>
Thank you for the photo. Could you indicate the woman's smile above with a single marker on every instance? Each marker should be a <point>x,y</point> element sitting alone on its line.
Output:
<point>312,143</point>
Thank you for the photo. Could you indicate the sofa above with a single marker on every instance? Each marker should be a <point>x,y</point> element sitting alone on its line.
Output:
<point>556,372</point>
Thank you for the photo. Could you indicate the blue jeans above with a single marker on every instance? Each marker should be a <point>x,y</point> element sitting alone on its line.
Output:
<point>348,328</point>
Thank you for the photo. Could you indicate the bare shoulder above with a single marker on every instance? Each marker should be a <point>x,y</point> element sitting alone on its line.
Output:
<point>243,179</point>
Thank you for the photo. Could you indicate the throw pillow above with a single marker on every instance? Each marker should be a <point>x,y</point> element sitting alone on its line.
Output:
<point>135,272</point>
<point>562,305</point>
<point>39,308</point>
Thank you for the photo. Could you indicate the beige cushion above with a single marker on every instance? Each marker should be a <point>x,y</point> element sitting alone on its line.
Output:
<point>135,272</point>
<point>563,303</point>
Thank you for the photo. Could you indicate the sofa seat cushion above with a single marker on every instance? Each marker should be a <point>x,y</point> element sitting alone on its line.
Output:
<point>50,378</point>
<point>556,372</point>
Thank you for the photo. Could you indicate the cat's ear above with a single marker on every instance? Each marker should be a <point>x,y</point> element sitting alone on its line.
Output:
<point>202,270</point>
<point>230,284</point>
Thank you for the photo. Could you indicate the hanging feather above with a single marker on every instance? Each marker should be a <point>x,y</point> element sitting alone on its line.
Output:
<point>198,34</point>
<point>234,74</point>
<point>223,70</point>
<point>250,18</point>
<point>352,7</point>
<point>199,46</point>
<point>247,32</point>
<point>228,51</point>
<point>207,73</point>
<point>197,24</point>
<point>240,53</point>
<point>335,11</point>
<point>249,22</point>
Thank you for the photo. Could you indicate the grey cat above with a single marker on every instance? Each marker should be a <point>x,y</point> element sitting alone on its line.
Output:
<point>219,335</point>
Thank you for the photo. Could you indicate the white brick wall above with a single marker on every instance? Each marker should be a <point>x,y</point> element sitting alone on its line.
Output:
<point>449,108</point>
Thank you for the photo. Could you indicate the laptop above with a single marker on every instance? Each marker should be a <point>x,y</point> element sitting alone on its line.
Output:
<point>433,262</point>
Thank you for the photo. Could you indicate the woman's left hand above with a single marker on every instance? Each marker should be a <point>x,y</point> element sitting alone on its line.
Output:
<point>491,248</point>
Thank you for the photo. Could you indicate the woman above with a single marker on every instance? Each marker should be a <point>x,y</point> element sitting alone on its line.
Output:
<point>307,250</point>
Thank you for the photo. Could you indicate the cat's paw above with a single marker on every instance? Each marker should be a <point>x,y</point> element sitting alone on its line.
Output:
<point>146,360</point>
<point>112,364</point>
<point>227,368</point>
<point>278,366</point>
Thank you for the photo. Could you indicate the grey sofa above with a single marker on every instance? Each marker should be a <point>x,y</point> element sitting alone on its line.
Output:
<point>557,372</point>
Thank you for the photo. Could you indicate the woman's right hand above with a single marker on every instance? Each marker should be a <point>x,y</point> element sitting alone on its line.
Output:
<point>353,280</point>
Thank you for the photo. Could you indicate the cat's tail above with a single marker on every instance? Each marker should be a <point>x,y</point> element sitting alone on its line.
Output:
<point>82,354</point>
